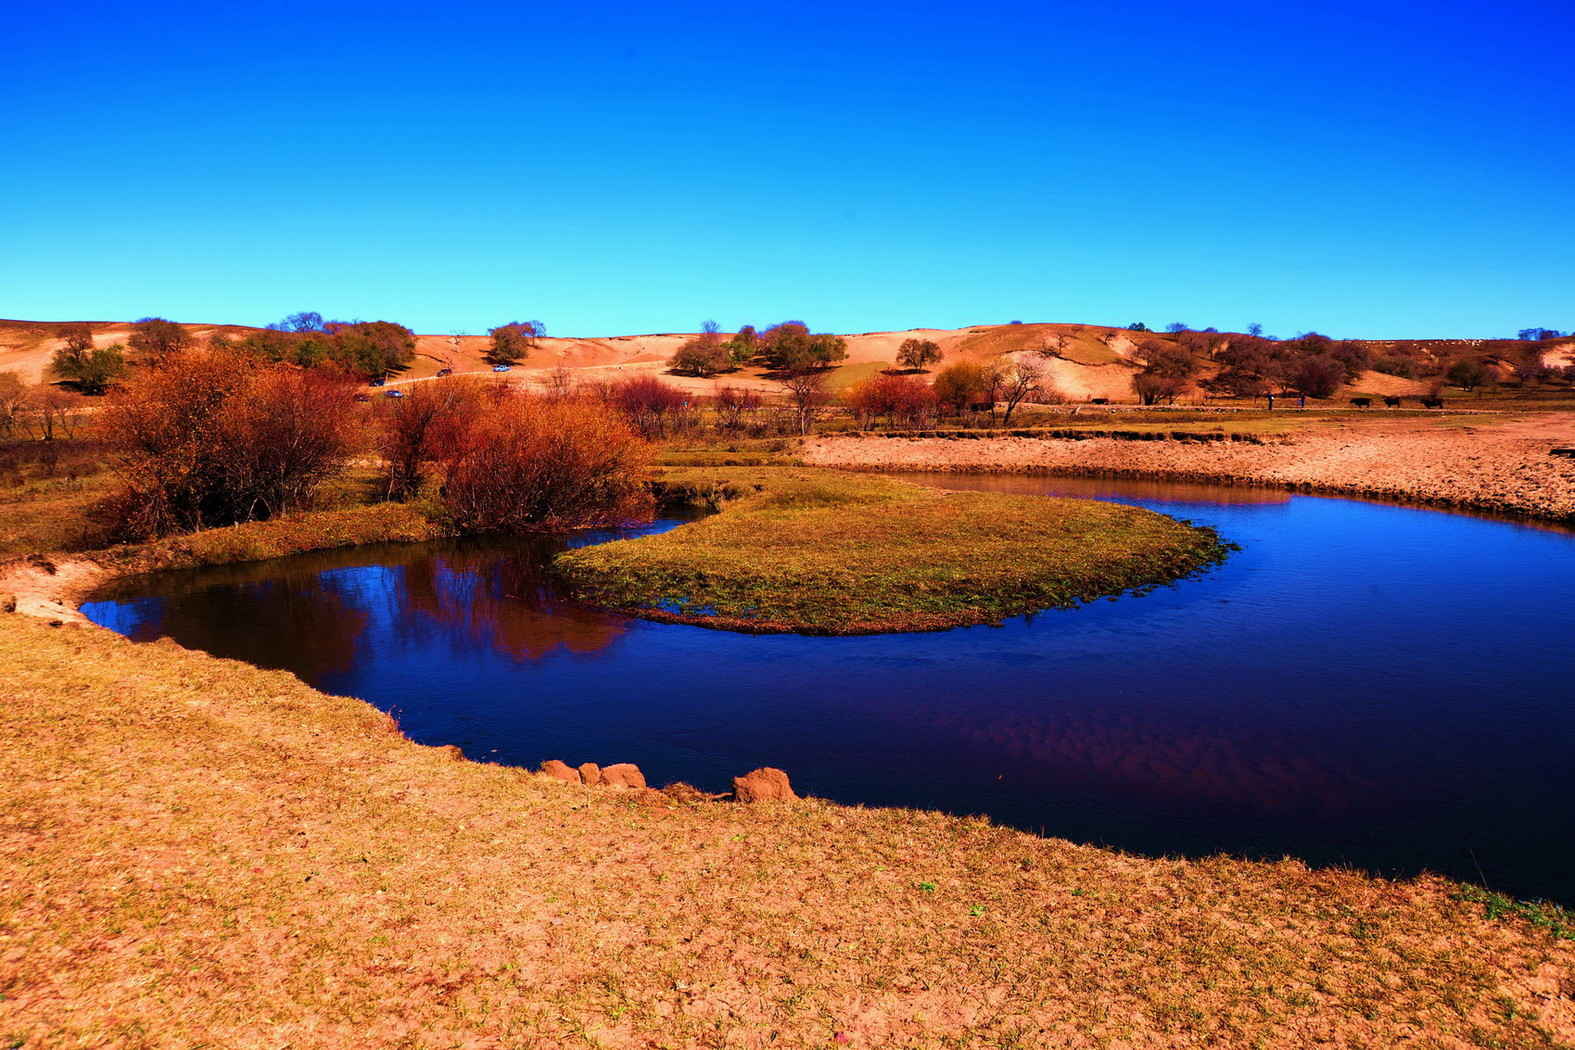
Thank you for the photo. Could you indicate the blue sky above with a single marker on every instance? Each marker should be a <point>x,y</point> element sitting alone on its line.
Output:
<point>1362,169</point>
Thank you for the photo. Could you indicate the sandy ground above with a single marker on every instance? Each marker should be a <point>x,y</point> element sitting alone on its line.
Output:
<point>1502,466</point>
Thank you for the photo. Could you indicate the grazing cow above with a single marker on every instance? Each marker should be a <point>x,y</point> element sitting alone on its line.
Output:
<point>1362,402</point>
<point>1432,402</point>
<point>1391,402</point>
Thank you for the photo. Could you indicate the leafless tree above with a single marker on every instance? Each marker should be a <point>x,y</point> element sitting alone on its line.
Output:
<point>13,399</point>
<point>1018,382</point>
<point>806,392</point>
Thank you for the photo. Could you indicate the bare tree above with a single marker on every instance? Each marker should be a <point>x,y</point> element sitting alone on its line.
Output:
<point>52,412</point>
<point>13,400</point>
<point>806,392</point>
<point>560,382</point>
<point>1018,382</point>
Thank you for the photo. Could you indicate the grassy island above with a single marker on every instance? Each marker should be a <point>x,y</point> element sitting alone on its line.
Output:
<point>827,553</point>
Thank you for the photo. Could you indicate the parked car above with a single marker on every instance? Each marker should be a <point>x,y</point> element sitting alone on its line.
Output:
<point>395,393</point>
<point>444,372</point>
<point>500,368</point>
<point>376,382</point>
<point>363,397</point>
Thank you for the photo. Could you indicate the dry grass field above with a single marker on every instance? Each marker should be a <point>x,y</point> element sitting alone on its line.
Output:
<point>201,853</point>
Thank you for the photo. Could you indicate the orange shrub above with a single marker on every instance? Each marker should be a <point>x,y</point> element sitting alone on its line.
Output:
<point>901,399</point>
<point>203,439</point>
<point>532,464</point>
<point>652,407</point>
<point>425,426</point>
<point>964,383</point>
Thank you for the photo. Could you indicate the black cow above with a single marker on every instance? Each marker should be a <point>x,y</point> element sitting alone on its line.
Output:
<point>1362,402</point>
<point>1432,402</point>
<point>1391,402</point>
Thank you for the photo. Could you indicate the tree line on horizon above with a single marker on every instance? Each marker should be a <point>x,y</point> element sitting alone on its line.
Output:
<point>1247,364</point>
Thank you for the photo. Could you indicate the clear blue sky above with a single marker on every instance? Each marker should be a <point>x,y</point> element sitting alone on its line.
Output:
<point>1364,169</point>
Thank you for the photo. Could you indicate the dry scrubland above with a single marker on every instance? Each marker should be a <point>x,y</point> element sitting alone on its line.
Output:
<point>201,853</point>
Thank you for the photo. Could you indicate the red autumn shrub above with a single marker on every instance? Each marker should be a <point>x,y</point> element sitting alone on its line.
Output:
<point>204,439</point>
<point>896,398</point>
<point>652,407</point>
<point>530,464</point>
<point>736,407</point>
<point>964,383</point>
<point>425,426</point>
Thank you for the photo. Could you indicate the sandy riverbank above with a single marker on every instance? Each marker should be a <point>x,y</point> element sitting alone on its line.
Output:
<point>200,852</point>
<point>1500,466</point>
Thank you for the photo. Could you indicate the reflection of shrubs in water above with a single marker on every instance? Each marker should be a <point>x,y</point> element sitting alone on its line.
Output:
<point>506,599</point>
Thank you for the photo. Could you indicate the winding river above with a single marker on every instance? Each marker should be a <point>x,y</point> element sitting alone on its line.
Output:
<point>1363,684</point>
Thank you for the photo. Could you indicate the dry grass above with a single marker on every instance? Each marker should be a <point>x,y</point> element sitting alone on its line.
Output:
<point>829,553</point>
<point>200,853</point>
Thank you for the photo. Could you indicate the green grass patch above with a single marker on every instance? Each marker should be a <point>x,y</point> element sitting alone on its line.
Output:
<point>826,552</point>
<point>1557,920</point>
<point>291,534</point>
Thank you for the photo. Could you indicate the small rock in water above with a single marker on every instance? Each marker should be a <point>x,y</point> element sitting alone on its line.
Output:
<point>560,771</point>
<point>763,785</point>
<point>590,774</point>
<point>623,775</point>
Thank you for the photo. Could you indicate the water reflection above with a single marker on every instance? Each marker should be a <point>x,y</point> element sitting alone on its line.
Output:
<point>1340,690</point>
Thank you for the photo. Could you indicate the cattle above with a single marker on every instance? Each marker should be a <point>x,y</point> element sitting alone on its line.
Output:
<point>1432,402</point>
<point>1391,402</point>
<point>1362,402</point>
<point>1099,401</point>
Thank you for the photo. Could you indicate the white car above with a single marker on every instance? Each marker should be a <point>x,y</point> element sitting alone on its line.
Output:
<point>500,368</point>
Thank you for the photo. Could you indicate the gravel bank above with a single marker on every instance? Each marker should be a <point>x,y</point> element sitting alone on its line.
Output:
<point>1504,467</point>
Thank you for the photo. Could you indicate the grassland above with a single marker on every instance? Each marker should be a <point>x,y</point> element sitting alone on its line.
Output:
<point>196,852</point>
<point>827,553</point>
<point>201,853</point>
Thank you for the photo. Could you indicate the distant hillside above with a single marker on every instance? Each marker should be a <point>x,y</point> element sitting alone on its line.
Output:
<point>1082,360</point>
